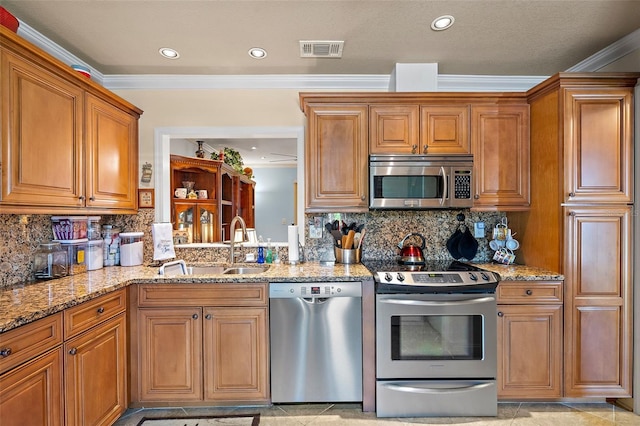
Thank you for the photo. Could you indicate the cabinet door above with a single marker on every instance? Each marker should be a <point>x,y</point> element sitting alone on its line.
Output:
<point>95,374</point>
<point>170,354</point>
<point>336,161</point>
<point>41,138</point>
<point>529,351</point>
<point>112,156</point>
<point>235,347</point>
<point>598,145</point>
<point>31,394</point>
<point>394,129</point>
<point>598,314</point>
<point>444,130</point>
<point>500,145</point>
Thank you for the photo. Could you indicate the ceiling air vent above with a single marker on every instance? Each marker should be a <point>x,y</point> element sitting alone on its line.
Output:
<point>321,49</point>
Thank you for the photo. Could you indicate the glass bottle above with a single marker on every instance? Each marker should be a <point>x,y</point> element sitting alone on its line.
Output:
<point>269,255</point>
<point>260,249</point>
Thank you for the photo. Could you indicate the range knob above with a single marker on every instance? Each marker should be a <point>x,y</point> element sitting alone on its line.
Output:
<point>400,276</point>
<point>388,277</point>
<point>484,276</point>
<point>473,276</point>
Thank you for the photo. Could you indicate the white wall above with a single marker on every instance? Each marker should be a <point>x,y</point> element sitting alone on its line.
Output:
<point>274,201</point>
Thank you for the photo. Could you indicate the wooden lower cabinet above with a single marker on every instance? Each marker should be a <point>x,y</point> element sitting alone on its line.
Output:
<point>529,340</point>
<point>205,344</point>
<point>95,374</point>
<point>31,394</point>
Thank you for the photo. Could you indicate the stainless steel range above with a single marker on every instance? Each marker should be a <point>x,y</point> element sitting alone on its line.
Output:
<point>436,342</point>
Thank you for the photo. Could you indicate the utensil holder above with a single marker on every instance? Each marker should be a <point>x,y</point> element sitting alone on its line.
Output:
<point>348,256</point>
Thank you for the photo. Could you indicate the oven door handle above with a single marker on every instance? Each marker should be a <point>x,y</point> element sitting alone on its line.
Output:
<point>445,184</point>
<point>414,389</point>
<point>413,302</point>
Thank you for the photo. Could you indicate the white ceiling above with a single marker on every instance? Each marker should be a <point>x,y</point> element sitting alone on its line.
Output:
<point>489,37</point>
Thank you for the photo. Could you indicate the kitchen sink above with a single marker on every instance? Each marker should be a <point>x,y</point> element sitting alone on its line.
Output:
<point>246,270</point>
<point>179,267</point>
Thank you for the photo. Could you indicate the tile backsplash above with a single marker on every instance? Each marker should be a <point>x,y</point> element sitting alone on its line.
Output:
<point>21,234</point>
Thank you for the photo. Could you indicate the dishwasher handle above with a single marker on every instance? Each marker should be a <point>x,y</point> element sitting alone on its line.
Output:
<point>315,290</point>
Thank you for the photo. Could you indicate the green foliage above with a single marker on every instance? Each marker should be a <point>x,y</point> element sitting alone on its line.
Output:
<point>231,157</point>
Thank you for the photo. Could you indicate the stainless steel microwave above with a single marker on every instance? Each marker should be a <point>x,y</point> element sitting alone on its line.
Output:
<point>402,182</point>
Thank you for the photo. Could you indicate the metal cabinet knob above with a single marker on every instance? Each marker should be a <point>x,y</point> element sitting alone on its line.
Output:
<point>572,194</point>
<point>92,198</point>
<point>5,352</point>
<point>475,197</point>
<point>208,316</point>
<point>529,292</point>
<point>81,197</point>
<point>73,351</point>
<point>100,310</point>
<point>363,197</point>
<point>424,149</point>
<point>500,313</point>
<point>414,148</point>
<point>194,316</point>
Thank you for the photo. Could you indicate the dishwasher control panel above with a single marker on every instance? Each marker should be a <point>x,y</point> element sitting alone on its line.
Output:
<point>319,289</point>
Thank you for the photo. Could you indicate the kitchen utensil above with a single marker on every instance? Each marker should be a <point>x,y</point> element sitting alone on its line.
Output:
<point>467,244</point>
<point>452,244</point>
<point>337,235</point>
<point>362,234</point>
<point>348,245</point>
<point>411,254</point>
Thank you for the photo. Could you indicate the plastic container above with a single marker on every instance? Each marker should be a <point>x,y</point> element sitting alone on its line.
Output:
<point>131,248</point>
<point>94,255</point>
<point>93,228</point>
<point>348,256</point>
<point>111,248</point>
<point>76,251</point>
<point>50,261</point>
<point>69,228</point>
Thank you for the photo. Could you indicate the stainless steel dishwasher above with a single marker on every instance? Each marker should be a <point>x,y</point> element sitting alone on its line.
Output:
<point>316,341</point>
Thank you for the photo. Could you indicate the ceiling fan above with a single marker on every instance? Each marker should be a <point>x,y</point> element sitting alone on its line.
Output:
<point>290,157</point>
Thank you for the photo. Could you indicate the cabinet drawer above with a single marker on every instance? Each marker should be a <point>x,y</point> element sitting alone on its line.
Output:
<point>528,292</point>
<point>250,294</point>
<point>86,315</point>
<point>30,340</point>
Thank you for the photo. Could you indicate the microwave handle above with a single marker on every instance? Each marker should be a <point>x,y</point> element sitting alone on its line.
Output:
<point>445,184</point>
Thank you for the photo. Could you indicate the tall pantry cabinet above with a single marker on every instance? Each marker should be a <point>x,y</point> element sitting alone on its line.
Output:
<point>580,222</point>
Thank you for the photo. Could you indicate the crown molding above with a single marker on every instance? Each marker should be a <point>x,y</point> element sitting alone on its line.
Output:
<point>609,54</point>
<point>55,50</point>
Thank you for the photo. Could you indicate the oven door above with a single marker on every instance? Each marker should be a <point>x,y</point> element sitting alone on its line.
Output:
<point>429,336</point>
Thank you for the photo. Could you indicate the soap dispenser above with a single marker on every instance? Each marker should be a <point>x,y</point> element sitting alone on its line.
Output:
<point>269,255</point>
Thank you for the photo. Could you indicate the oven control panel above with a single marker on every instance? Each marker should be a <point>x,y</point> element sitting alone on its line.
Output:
<point>437,278</point>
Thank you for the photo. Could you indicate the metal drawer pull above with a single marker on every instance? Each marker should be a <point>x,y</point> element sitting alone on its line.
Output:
<point>500,314</point>
<point>208,316</point>
<point>73,351</point>
<point>194,316</point>
<point>5,352</point>
<point>529,292</point>
<point>100,310</point>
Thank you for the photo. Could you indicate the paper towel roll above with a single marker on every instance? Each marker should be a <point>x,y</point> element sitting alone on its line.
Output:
<point>293,243</point>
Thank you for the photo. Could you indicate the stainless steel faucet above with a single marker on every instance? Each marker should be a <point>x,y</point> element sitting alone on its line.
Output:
<point>232,226</point>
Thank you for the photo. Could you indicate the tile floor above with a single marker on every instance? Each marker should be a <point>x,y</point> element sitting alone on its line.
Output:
<point>526,414</point>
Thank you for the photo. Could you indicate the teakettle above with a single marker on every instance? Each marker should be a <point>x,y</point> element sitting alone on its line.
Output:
<point>411,254</point>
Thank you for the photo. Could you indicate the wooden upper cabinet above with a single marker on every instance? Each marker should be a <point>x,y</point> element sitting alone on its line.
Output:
<point>598,138</point>
<point>444,129</point>
<point>336,161</point>
<point>394,129</point>
<point>500,145</point>
<point>413,129</point>
<point>41,137</point>
<point>68,144</point>
<point>112,156</point>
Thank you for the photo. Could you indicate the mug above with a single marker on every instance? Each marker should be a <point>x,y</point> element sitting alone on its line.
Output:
<point>202,194</point>
<point>180,193</point>
<point>496,244</point>
<point>512,244</point>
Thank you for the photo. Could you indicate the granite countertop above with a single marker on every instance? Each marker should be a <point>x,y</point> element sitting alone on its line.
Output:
<point>22,304</point>
<point>521,272</point>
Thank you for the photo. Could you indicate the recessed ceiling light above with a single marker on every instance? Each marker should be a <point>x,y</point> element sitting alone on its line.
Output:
<point>257,53</point>
<point>169,53</point>
<point>442,23</point>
